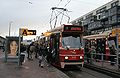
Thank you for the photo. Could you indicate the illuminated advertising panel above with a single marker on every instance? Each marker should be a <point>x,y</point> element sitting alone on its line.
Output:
<point>12,46</point>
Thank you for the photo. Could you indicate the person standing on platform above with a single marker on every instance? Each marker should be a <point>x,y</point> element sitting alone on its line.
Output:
<point>40,53</point>
<point>28,51</point>
<point>31,50</point>
<point>112,53</point>
<point>87,50</point>
<point>22,53</point>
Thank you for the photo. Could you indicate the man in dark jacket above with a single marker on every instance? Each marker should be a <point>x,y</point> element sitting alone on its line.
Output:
<point>42,54</point>
<point>22,53</point>
<point>112,53</point>
<point>28,51</point>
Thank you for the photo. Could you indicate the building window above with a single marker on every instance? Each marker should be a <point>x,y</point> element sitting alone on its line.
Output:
<point>113,11</point>
<point>89,15</point>
<point>103,9</point>
<point>118,18</point>
<point>114,4</point>
<point>98,11</point>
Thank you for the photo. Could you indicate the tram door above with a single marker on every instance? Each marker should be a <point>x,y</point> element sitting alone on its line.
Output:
<point>54,46</point>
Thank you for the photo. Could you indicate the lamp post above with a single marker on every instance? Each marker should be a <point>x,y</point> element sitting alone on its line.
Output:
<point>10,26</point>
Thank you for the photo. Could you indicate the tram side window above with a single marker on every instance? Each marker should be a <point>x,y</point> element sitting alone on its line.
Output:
<point>101,45</point>
<point>86,46</point>
<point>55,42</point>
<point>54,45</point>
<point>93,44</point>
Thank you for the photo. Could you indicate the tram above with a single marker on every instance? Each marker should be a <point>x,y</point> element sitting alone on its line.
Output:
<point>101,44</point>
<point>65,45</point>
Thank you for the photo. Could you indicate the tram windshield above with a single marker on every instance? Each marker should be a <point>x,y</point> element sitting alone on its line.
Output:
<point>71,42</point>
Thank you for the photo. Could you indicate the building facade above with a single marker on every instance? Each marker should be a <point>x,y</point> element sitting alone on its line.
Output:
<point>2,42</point>
<point>101,19</point>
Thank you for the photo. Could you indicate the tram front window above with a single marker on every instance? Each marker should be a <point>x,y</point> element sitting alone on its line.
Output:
<point>71,42</point>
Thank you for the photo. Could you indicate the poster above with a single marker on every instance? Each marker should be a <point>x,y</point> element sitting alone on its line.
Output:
<point>12,46</point>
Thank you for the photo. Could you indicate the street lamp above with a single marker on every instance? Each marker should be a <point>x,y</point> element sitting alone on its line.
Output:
<point>10,26</point>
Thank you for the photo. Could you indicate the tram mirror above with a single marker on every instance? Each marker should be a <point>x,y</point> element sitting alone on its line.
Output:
<point>80,48</point>
<point>67,47</point>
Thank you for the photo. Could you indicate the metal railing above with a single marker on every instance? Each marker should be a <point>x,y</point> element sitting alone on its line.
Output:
<point>104,60</point>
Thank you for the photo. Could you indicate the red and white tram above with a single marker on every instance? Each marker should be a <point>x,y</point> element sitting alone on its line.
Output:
<point>65,45</point>
<point>101,42</point>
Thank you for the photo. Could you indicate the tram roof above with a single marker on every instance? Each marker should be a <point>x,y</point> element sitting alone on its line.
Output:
<point>97,36</point>
<point>60,28</point>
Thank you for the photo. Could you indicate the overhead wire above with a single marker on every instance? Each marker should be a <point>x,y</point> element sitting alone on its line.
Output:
<point>44,20</point>
<point>59,2</point>
<point>68,17</point>
<point>56,15</point>
<point>64,14</point>
<point>61,18</point>
<point>51,20</point>
<point>59,12</point>
<point>55,19</point>
<point>67,3</point>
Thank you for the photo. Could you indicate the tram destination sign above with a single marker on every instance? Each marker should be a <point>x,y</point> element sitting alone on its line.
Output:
<point>73,28</point>
<point>25,32</point>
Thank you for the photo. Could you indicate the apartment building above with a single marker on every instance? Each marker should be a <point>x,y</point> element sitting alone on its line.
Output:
<point>102,19</point>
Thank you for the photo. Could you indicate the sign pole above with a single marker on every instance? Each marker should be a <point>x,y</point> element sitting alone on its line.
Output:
<point>24,32</point>
<point>117,51</point>
<point>6,51</point>
<point>19,46</point>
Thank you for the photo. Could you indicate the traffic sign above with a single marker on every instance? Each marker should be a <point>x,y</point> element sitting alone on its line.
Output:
<point>24,32</point>
<point>31,32</point>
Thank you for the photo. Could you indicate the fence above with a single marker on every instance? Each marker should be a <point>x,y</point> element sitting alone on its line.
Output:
<point>104,60</point>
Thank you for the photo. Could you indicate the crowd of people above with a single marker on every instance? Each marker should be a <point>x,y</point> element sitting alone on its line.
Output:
<point>38,51</point>
<point>41,52</point>
<point>94,52</point>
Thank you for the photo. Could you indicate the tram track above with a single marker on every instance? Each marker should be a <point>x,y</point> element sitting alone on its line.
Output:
<point>106,71</point>
<point>83,73</point>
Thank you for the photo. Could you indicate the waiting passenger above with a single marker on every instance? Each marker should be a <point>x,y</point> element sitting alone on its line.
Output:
<point>112,53</point>
<point>93,52</point>
<point>42,54</point>
<point>87,49</point>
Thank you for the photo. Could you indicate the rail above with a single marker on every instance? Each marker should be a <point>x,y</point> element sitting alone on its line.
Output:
<point>103,60</point>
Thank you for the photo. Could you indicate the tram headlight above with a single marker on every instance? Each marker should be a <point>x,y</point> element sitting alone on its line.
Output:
<point>66,57</point>
<point>81,57</point>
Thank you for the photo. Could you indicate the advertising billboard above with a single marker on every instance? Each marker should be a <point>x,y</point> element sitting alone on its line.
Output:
<point>12,46</point>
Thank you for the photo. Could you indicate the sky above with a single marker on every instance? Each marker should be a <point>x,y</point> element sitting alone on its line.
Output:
<point>36,14</point>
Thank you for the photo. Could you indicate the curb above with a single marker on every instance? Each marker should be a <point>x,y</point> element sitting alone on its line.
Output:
<point>115,74</point>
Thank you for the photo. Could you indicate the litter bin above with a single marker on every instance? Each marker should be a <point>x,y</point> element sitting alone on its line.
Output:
<point>22,57</point>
